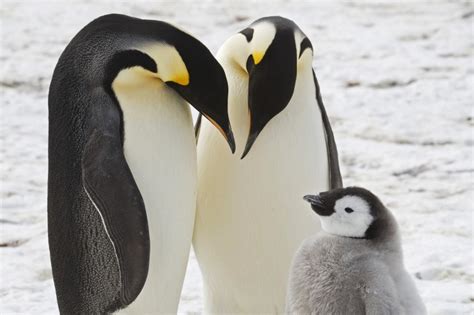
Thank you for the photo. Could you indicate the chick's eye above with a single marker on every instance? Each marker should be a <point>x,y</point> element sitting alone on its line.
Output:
<point>348,210</point>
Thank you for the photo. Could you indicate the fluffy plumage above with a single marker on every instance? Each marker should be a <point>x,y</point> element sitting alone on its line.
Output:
<point>333,274</point>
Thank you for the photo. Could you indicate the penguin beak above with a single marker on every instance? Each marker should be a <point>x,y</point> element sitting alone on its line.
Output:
<point>206,87</point>
<point>226,132</point>
<point>272,78</point>
<point>317,205</point>
<point>211,102</point>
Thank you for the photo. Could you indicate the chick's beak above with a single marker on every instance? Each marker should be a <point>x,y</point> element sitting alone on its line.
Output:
<point>318,205</point>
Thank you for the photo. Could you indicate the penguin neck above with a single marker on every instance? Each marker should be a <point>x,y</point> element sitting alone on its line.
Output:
<point>238,106</point>
<point>153,115</point>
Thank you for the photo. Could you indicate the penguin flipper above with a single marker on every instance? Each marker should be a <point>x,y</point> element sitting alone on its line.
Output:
<point>335,178</point>
<point>197,127</point>
<point>110,186</point>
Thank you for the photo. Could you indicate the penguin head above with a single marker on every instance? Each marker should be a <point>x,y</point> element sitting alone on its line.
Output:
<point>269,52</point>
<point>351,212</point>
<point>173,58</point>
<point>207,89</point>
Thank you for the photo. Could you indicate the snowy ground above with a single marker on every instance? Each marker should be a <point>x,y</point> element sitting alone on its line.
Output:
<point>397,81</point>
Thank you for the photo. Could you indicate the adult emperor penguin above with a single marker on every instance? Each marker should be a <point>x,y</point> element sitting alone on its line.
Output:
<point>122,163</point>
<point>250,217</point>
<point>355,266</point>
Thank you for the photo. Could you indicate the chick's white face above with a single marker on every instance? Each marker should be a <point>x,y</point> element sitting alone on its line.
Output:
<point>351,217</point>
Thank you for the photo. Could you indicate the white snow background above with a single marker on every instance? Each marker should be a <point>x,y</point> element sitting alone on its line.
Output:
<point>397,82</point>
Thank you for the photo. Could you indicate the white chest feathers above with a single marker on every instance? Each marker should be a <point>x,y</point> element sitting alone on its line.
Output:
<point>160,150</point>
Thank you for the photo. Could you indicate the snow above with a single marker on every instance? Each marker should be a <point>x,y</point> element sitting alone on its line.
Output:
<point>397,82</point>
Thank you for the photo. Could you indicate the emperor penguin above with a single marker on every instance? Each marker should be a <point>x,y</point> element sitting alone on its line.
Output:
<point>355,265</point>
<point>250,217</point>
<point>122,163</point>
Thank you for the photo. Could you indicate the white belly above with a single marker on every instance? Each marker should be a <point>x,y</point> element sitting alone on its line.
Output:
<point>251,217</point>
<point>161,153</point>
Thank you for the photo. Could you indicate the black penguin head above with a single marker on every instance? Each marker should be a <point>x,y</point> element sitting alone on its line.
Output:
<point>207,89</point>
<point>184,64</point>
<point>268,51</point>
<point>351,212</point>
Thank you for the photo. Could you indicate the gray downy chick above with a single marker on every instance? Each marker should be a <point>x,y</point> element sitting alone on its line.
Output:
<point>355,265</point>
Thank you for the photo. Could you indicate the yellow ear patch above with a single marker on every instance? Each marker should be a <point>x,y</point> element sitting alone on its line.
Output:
<point>263,36</point>
<point>171,67</point>
<point>257,57</point>
<point>181,78</point>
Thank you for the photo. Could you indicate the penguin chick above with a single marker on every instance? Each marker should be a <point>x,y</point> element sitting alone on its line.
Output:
<point>355,265</point>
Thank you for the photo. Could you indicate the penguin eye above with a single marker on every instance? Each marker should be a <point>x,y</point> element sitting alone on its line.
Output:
<point>348,210</point>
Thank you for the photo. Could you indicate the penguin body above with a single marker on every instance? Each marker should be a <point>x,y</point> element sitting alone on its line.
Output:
<point>355,265</point>
<point>122,163</point>
<point>247,229</point>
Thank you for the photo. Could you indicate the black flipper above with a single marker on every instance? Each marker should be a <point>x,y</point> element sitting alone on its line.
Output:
<point>109,184</point>
<point>335,179</point>
<point>98,230</point>
<point>197,127</point>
